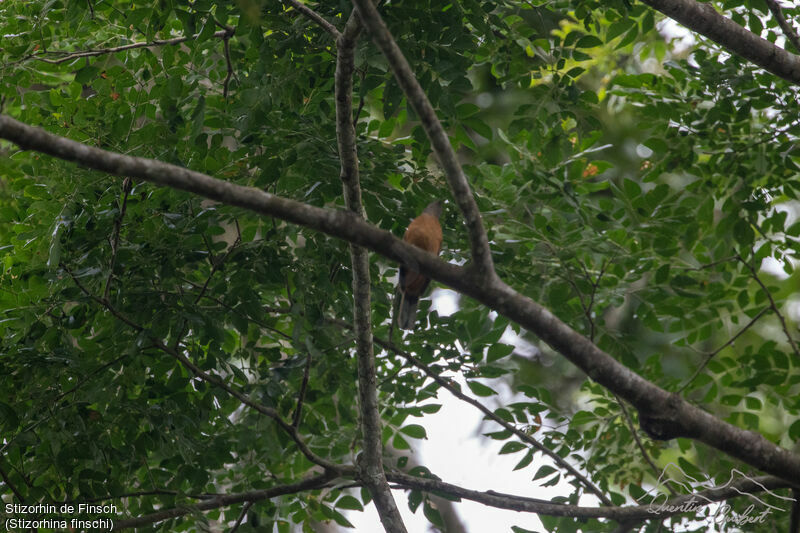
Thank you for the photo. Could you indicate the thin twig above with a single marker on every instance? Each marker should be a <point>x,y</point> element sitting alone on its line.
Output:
<point>629,421</point>
<point>594,284</point>
<point>772,304</point>
<point>215,266</point>
<point>257,322</point>
<point>302,394</point>
<point>153,492</point>
<point>311,483</point>
<point>239,520</point>
<point>69,56</point>
<point>711,355</point>
<point>127,185</point>
<point>226,46</point>
<point>10,485</point>
<point>88,376</point>
<point>218,264</point>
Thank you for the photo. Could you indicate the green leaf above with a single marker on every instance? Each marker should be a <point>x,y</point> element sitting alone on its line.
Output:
<point>349,502</point>
<point>512,447</point>
<point>618,28</point>
<point>588,41</point>
<point>525,461</point>
<point>86,74</point>
<point>543,471</point>
<point>432,514</point>
<point>794,431</point>
<point>479,389</point>
<point>415,431</point>
<point>498,351</point>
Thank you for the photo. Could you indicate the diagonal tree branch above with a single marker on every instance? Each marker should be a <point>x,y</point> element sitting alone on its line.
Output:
<point>455,391</point>
<point>459,186</point>
<point>704,19</point>
<point>11,486</point>
<point>772,304</point>
<point>688,420</point>
<point>371,460</point>
<point>314,16</point>
<point>788,31</point>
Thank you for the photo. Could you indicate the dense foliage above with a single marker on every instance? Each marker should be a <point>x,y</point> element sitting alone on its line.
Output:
<point>644,192</point>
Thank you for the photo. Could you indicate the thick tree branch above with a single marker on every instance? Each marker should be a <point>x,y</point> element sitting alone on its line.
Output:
<point>705,20</point>
<point>748,446</point>
<point>371,460</point>
<point>635,513</point>
<point>462,194</point>
<point>659,508</point>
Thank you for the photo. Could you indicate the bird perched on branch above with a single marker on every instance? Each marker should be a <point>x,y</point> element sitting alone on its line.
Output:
<point>424,232</point>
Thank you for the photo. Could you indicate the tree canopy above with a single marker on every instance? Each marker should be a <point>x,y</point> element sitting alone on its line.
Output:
<point>200,211</point>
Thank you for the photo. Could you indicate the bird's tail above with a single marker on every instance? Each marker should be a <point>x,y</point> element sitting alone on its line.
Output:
<point>407,313</point>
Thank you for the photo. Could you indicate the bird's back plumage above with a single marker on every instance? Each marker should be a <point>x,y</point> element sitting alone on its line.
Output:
<point>424,232</point>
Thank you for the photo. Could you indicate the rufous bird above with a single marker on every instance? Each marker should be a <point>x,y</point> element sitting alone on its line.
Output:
<point>424,232</point>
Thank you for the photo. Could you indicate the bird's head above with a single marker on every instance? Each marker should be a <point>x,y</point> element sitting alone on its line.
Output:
<point>434,208</point>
